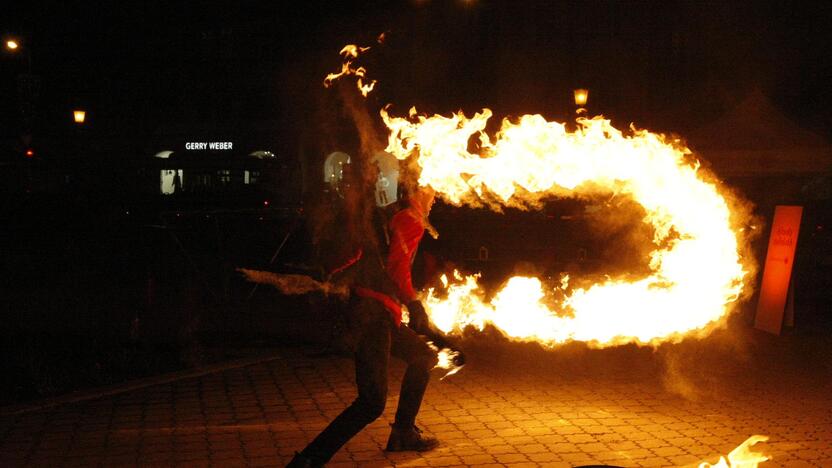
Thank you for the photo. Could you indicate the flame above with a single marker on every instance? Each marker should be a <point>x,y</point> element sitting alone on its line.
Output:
<point>696,268</point>
<point>446,357</point>
<point>742,456</point>
<point>350,53</point>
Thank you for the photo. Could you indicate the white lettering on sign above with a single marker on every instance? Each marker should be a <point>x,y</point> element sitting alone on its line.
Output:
<point>213,145</point>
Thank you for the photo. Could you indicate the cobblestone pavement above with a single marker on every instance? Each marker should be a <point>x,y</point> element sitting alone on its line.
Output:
<point>499,411</point>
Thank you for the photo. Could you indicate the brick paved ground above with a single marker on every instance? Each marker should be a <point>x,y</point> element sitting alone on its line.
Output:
<point>513,409</point>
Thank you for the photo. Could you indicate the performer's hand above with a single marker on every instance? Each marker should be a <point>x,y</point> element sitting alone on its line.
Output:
<point>420,323</point>
<point>418,317</point>
<point>459,359</point>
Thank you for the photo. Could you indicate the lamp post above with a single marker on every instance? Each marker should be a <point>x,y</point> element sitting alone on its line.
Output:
<point>16,46</point>
<point>581,97</point>
<point>28,84</point>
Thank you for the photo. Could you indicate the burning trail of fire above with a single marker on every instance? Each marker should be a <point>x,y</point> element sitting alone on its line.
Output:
<point>350,53</point>
<point>742,456</point>
<point>294,284</point>
<point>697,271</point>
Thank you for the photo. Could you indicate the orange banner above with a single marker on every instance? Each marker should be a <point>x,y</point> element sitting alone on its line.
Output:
<point>778,268</point>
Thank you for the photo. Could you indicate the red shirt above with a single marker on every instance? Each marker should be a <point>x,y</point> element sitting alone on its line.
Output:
<point>407,228</point>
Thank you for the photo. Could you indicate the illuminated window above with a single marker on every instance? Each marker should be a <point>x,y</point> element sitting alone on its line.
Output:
<point>387,183</point>
<point>225,176</point>
<point>170,181</point>
<point>201,181</point>
<point>334,167</point>
<point>250,177</point>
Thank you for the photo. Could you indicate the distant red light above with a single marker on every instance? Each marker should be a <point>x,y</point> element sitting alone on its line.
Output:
<point>265,203</point>
<point>30,153</point>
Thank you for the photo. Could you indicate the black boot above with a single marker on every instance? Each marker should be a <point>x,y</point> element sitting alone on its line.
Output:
<point>409,439</point>
<point>302,461</point>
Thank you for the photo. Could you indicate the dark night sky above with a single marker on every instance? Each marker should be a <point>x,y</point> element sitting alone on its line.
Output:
<point>667,65</point>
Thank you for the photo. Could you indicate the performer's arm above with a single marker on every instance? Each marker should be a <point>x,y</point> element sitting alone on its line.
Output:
<point>406,231</point>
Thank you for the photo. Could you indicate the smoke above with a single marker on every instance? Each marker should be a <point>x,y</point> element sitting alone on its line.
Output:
<point>370,135</point>
<point>707,366</point>
<point>362,173</point>
<point>343,221</point>
<point>677,377</point>
<point>294,284</point>
<point>620,239</point>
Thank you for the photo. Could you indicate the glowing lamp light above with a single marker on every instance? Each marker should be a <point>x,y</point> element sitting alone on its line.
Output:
<point>79,116</point>
<point>581,96</point>
<point>11,44</point>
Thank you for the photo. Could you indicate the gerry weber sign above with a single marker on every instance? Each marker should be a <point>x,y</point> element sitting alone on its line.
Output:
<point>209,145</point>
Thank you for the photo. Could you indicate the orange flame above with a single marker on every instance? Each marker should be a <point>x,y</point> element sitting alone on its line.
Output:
<point>742,456</point>
<point>696,268</point>
<point>446,358</point>
<point>350,53</point>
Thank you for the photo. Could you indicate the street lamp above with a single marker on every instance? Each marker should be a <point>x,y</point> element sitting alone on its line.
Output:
<point>79,115</point>
<point>28,85</point>
<point>581,96</point>
<point>17,46</point>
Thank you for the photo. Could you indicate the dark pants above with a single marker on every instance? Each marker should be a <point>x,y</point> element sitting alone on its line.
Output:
<point>377,339</point>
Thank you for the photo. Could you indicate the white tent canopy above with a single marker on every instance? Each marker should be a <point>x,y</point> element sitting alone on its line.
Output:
<point>756,139</point>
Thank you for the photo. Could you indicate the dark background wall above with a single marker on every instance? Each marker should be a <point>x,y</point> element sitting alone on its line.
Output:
<point>140,66</point>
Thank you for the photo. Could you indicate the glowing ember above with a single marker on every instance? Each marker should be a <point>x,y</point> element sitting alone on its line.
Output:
<point>696,267</point>
<point>742,456</point>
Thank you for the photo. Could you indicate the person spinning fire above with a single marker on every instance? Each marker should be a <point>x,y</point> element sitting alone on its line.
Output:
<point>378,290</point>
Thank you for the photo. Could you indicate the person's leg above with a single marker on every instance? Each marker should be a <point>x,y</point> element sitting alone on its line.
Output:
<point>420,359</point>
<point>371,359</point>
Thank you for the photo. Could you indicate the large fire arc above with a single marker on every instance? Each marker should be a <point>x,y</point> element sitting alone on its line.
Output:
<point>697,271</point>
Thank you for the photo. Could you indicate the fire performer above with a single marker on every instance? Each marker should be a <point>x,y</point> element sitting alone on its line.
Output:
<point>380,333</point>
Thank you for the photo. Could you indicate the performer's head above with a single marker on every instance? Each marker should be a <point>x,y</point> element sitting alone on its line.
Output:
<point>422,198</point>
